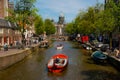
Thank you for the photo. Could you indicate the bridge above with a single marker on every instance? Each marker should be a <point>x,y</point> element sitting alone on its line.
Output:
<point>59,37</point>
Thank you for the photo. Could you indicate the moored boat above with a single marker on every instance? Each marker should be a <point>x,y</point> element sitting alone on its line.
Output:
<point>57,63</point>
<point>60,46</point>
<point>88,48</point>
<point>98,56</point>
<point>44,45</point>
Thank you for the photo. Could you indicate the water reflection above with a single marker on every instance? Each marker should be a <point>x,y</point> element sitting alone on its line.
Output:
<point>100,75</point>
<point>80,66</point>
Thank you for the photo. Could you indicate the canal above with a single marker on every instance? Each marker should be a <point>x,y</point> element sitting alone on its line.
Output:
<point>80,67</point>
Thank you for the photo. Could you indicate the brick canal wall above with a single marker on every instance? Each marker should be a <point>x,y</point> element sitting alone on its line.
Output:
<point>114,61</point>
<point>111,58</point>
<point>7,60</point>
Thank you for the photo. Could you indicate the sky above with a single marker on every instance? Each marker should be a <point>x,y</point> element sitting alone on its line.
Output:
<point>52,9</point>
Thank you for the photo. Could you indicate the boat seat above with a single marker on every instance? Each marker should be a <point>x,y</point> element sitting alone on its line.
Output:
<point>65,62</point>
<point>62,62</point>
<point>51,62</point>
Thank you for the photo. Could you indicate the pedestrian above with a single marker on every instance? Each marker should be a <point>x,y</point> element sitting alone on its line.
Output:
<point>78,38</point>
<point>5,47</point>
<point>117,53</point>
<point>0,46</point>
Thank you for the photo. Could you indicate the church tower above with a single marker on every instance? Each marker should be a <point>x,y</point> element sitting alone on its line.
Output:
<point>61,19</point>
<point>60,25</point>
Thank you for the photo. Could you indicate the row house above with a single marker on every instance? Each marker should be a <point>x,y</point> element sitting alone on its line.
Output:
<point>9,32</point>
<point>3,8</point>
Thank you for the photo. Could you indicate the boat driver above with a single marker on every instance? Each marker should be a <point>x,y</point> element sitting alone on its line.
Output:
<point>57,60</point>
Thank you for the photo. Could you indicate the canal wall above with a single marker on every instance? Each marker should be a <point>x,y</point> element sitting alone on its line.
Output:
<point>115,62</point>
<point>10,58</point>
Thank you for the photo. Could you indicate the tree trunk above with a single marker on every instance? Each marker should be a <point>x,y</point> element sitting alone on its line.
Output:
<point>119,41</point>
<point>110,37</point>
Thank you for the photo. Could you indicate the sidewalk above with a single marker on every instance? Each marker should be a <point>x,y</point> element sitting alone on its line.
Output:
<point>14,51</point>
<point>9,52</point>
<point>12,56</point>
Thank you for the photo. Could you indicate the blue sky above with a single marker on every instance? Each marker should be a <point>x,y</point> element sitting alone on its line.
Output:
<point>70,8</point>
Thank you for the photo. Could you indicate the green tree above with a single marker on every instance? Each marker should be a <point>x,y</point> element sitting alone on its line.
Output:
<point>39,25</point>
<point>85,21</point>
<point>69,29</point>
<point>23,11</point>
<point>110,18</point>
<point>99,22</point>
<point>49,27</point>
<point>117,16</point>
<point>118,22</point>
<point>78,22</point>
<point>99,18</point>
<point>90,17</point>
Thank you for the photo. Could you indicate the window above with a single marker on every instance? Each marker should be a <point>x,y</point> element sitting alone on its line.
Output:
<point>9,24</point>
<point>1,30</point>
<point>8,30</point>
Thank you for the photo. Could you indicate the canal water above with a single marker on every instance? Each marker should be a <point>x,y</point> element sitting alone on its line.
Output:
<point>80,67</point>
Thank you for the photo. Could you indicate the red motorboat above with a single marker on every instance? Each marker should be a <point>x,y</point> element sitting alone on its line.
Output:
<point>57,63</point>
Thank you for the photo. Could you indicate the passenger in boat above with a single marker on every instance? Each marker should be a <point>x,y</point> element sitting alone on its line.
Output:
<point>56,60</point>
<point>78,38</point>
<point>57,45</point>
<point>62,61</point>
<point>44,37</point>
<point>60,44</point>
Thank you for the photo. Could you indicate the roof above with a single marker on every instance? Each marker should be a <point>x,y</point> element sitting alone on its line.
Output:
<point>4,23</point>
<point>7,24</point>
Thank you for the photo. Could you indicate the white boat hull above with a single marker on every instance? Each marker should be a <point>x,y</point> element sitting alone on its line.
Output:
<point>60,47</point>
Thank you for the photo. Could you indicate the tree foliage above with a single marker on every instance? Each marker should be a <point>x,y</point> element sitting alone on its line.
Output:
<point>84,22</point>
<point>110,14</point>
<point>23,14</point>
<point>70,28</point>
<point>95,20</point>
<point>49,26</point>
<point>39,25</point>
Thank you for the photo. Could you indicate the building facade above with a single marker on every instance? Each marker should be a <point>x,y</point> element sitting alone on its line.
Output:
<point>3,8</point>
<point>9,32</point>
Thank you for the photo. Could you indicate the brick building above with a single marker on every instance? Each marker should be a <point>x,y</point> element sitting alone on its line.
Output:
<point>3,8</point>
<point>9,32</point>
